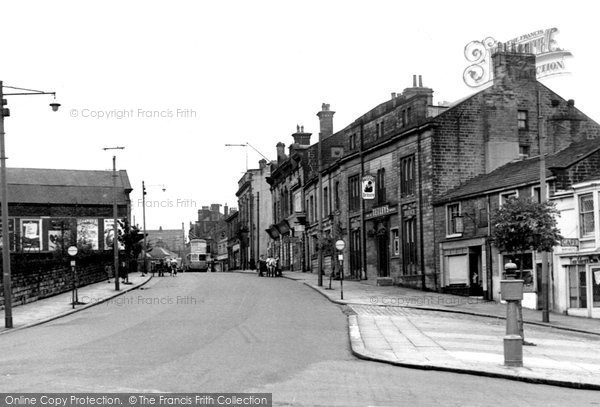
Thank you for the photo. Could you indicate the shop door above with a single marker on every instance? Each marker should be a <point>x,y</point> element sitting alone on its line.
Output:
<point>594,289</point>
<point>475,271</point>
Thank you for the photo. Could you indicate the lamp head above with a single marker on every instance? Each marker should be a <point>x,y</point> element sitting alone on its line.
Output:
<point>55,105</point>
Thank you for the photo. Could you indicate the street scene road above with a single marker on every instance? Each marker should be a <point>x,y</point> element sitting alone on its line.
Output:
<point>213,332</point>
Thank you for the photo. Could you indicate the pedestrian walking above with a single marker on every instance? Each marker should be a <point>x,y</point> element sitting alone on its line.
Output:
<point>262,266</point>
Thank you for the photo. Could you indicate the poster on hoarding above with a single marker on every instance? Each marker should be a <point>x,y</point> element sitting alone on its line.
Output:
<point>11,234</point>
<point>59,235</point>
<point>109,234</point>
<point>87,234</point>
<point>31,235</point>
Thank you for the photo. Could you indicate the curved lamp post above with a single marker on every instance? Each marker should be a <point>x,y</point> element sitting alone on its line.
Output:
<point>164,188</point>
<point>5,112</point>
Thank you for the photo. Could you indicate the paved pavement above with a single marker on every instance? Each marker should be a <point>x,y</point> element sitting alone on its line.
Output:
<point>413,328</point>
<point>48,309</point>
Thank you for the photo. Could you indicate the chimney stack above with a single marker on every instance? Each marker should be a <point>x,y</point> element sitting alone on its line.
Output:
<point>418,90</point>
<point>226,210</point>
<point>511,64</point>
<point>262,164</point>
<point>281,152</point>
<point>300,137</point>
<point>326,121</point>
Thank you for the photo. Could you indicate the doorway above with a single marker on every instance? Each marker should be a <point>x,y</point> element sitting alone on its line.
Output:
<point>382,252</point>
<point>475,282</point>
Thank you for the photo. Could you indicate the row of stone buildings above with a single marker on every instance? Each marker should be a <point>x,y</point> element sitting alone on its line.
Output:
<point>410,187</point>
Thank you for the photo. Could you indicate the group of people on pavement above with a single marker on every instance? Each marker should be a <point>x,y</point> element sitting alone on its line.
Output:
<point>268,267</point>
<point>165,266</point>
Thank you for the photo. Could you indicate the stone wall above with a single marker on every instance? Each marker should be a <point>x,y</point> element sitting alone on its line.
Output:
<point>34,277</point>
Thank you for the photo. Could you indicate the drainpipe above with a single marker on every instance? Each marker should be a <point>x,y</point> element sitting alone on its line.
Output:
<point>421,240</point>
<point>363,239</point>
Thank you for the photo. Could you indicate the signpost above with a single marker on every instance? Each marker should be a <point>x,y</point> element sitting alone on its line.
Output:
<point>72,250</point>
<point>340,245</point>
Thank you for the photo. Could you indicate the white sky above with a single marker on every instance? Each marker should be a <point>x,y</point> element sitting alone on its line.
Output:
<point>251,71</point>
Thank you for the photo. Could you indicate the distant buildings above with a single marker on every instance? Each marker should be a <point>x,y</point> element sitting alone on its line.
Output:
<point>170,239</point>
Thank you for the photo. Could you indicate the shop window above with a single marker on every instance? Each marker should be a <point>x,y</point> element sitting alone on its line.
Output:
<point>525,272</point>
<point>577,287</point>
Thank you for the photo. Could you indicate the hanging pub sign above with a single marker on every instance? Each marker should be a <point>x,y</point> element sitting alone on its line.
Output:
<point>368,187</point>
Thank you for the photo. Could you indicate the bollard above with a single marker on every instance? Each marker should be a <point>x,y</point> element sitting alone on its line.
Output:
<point>512,292</point>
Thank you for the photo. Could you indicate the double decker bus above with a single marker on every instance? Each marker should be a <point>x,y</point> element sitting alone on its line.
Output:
<point>199,258</point>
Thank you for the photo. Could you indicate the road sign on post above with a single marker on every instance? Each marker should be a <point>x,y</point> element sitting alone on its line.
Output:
<point>72,250</point>
<point>340,245</point>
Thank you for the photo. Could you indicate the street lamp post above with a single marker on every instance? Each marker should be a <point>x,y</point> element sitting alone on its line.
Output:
<point>246,146</point>
<point>5,112</point>
<point>115,216</point>
<point>144,221</point>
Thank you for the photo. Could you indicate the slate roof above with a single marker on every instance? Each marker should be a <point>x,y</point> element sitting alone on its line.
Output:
<point>522,172</point>
<point>55,186</point>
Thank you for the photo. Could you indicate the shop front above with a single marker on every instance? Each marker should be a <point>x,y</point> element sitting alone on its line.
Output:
<point>581,276</point>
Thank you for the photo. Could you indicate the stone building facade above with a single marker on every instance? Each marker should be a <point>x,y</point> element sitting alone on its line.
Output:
<point>468,260</point>
<point>254,203</point>
<point>382,175</point>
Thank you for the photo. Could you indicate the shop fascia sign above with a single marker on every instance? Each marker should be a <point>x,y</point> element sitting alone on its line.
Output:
<point>550,59</point>
<point>380,211</point>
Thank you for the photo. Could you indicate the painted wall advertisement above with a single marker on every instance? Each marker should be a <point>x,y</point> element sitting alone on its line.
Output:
<point>109,233</point>
<point>87,234</point>
<point>31,235</point>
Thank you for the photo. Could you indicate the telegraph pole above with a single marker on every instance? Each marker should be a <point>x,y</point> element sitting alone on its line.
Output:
<point>115,215</point>
<point>545,271</point>
<point>320,212</point>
